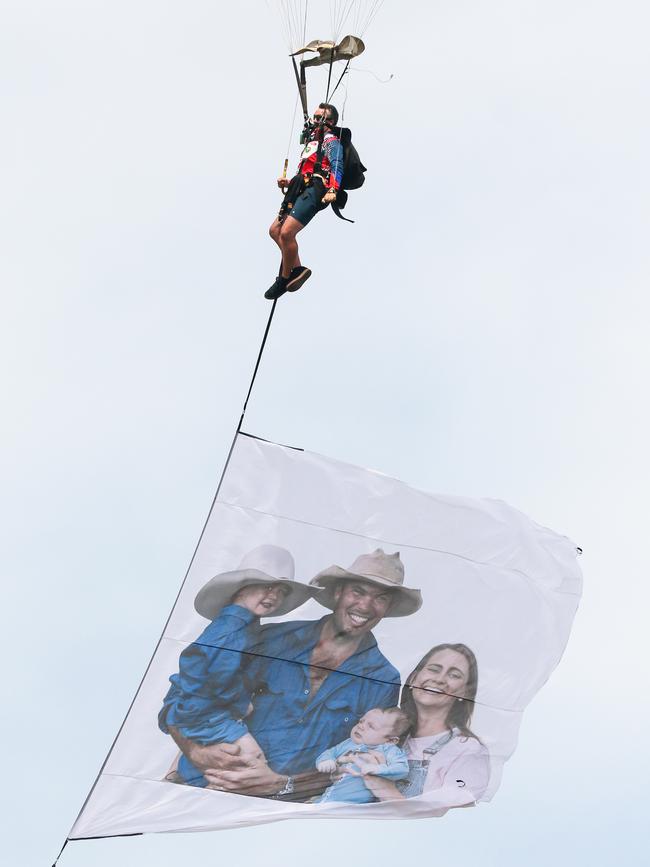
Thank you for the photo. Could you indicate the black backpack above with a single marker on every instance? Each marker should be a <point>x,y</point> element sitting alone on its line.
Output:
<point>353,171</point>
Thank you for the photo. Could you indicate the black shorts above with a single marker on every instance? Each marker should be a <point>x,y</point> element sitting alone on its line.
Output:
<point>308,203</point>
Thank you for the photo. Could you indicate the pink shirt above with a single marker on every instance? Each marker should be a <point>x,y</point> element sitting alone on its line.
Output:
<point>461,760</point>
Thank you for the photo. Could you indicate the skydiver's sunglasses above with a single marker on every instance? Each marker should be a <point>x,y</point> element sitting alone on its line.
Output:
<point>322,117</point>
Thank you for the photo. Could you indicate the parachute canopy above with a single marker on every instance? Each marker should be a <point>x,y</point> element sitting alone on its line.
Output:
<point>328,52</point>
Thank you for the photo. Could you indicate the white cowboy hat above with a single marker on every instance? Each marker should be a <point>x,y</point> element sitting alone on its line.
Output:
<point>267,564</point>
<point>385,570</point>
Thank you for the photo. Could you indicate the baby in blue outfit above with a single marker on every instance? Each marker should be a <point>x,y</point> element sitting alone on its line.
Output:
<point>378,731</point>
<point>210,696</point>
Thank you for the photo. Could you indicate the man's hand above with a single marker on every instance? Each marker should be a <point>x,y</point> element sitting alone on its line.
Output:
<point>256,778</point>
<point>247,776</point>
<point>222,756</point>
<point>283,183</point>
<point>213,755</point>
<point>330,196</point>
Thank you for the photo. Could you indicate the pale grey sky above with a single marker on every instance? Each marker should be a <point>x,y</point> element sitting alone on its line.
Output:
<point>480,330</point>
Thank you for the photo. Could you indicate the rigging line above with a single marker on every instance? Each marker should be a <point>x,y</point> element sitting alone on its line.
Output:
<point>345,14</point>
<point>250,387</point>
<point>304,26</point>
<point>299,22</point>
<point>345,102</point>
<point>56,860</point>
<point>297,15</point>
<point>329,77</point>
<point>288,12</point>
<point>373,14</point>
<point>347,65</point>
<point>293,124</point>
<point>292,18</point>
<point>180,590</point>
<point>278,11</point>
<point>357,16</point>
<point>286,17</point>
<point>337,20</point>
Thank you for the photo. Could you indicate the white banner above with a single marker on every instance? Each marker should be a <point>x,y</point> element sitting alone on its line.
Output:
<point>343,645</point>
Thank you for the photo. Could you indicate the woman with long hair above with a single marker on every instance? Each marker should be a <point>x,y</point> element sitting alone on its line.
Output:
<point>441,748</point>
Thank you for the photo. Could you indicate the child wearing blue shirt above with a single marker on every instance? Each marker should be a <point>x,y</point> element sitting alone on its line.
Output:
<point>210,695</point>
<point>378,731</point>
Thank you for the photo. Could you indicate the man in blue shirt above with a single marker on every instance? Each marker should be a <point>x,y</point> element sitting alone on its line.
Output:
<point>312,681</point>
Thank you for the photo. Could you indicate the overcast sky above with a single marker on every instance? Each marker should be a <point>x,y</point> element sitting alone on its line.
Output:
<point>482,329</point>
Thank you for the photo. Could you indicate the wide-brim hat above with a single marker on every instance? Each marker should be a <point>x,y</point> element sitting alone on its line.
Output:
<point>266,564</point>
<point>384,570</point>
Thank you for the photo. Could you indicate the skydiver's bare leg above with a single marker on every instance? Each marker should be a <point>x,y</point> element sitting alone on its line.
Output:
<point>274,231</point>
<point>289,245</point>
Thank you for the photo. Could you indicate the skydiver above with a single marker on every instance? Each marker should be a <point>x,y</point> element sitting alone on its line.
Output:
<point>311,190</point>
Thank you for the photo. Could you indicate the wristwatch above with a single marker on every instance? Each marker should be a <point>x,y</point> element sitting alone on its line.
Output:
<point>287,789</point>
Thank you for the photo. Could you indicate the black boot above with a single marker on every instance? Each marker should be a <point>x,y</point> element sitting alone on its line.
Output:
<point>278,288</point>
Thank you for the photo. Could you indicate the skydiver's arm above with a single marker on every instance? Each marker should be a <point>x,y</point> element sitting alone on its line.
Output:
<point>334,152</point>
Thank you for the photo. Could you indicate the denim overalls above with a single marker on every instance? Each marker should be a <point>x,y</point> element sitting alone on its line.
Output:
<point>413,785</point>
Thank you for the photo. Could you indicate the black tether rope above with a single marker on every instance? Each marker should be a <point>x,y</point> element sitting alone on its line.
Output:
<point>61,852</point>
<point>257,364</point>
<point>223,473</point>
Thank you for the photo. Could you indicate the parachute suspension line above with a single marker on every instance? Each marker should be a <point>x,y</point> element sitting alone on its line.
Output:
<point>342,17</point>
<point>164,629</point>
<point>294,21</point>
<point>336,86</point>
<point>293,126</point>
<point>329,78</point>
<point>364,15</point>
<point>289,13</point>
<point>284,22</point>
<point>345,102</point>
<point>301,81</point>
<point>289,16</point>
<point>374,9</point>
